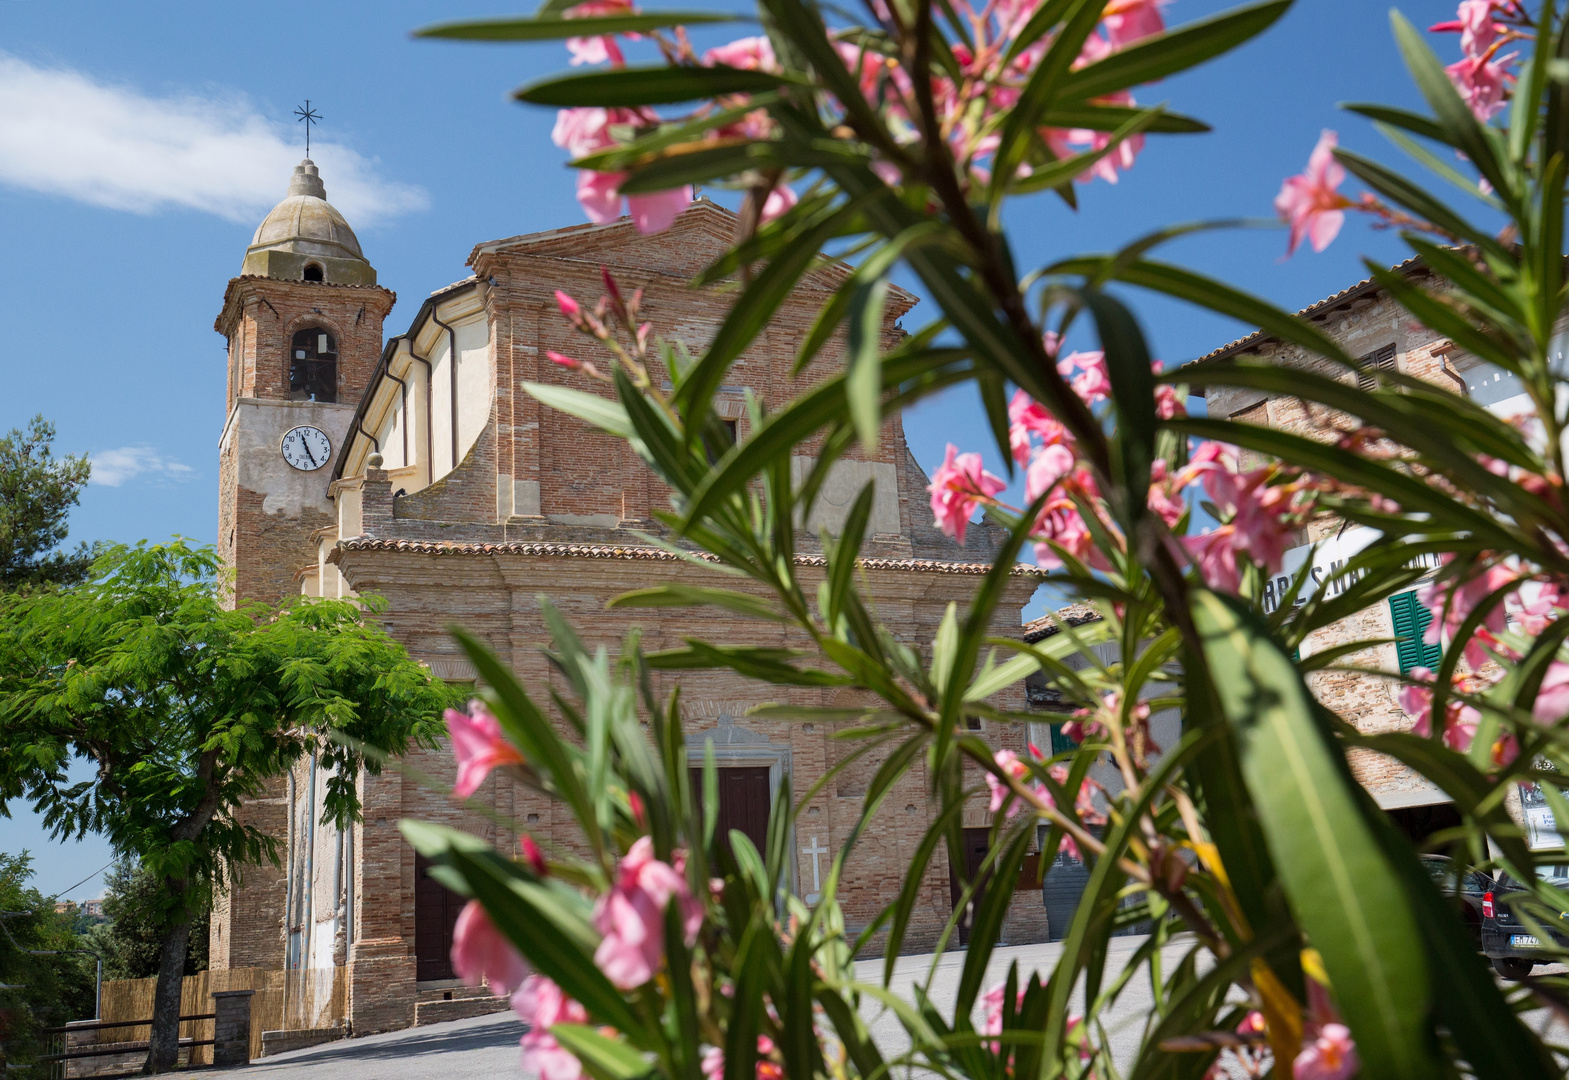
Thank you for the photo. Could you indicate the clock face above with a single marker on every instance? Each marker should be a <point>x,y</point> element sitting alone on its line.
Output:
<point>307,448</point>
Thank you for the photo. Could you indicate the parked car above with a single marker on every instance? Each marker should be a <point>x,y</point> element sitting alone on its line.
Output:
<point>1473,886</point>
<point>1506,939</point>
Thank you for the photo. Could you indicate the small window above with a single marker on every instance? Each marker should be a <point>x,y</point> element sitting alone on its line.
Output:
<point>313,366</point>
<point>732,428</point>
<point>313,272</point>
<point>1372,364</point>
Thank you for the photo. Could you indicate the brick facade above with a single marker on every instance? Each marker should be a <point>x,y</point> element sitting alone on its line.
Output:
<point>534,503</point>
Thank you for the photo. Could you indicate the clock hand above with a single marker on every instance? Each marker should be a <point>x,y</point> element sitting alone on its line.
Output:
<point>306,446</point>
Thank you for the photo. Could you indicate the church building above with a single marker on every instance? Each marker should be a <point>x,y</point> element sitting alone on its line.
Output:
<point>417,469</point>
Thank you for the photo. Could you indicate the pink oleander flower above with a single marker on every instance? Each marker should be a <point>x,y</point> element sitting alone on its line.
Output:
<point>601,48</point>
<point>1547,601</point>
<point>1127,21</point>
<point>654,212</point>
<point>1027,417</point>
<point>582,131</point>
<point>1309,202</point>
<point>1062,524</point>
<point>957,487</point>
<point>1261,519</point>
<point>541,1005</point>
<point>1451,604</point>
<point>632,916</point>
<point>1092,383</point>
<point>1482,81</point>
<point>481,954</point>
<point>993,1001</point>
<point>1168,405</point>
<point>1478,31</point>
<point>713,1061</point>
<point>1331,1056</point>
<point>1084,800</point>
<point>563,359</point>
<point>1165,497</point>
<point>569,306</point>
<point>748,54</point>
<point>479,746</point>
<point>1552,700</point>
<point>1009,763</point>
<point>1460,720</point>
<point>778,203</point>
<point>1050,465</point>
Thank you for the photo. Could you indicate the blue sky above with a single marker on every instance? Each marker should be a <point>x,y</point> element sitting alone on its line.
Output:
<point>141,144</point>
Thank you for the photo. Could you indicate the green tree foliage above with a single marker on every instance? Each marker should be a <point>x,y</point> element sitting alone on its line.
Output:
<point>37,491</point>
<point>186,708</point>
<point>131,939</point>
<point>45,985</point>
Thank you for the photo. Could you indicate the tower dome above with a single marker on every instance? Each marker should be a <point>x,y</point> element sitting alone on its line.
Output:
<point>304,238</point>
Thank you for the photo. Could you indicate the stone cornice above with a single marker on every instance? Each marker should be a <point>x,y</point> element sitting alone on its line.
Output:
<point>646,554</point>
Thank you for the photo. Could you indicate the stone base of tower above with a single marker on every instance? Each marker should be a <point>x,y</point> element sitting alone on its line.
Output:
<point>382,989</point>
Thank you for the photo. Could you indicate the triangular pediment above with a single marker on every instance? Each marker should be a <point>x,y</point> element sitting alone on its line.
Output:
<point>701,234</point>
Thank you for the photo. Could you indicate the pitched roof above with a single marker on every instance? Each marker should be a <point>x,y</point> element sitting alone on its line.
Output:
<point>1412,265</point>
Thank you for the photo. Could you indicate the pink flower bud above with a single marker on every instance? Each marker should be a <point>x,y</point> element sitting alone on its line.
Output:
<point>533,856</point>
<point>610,285</point>
<point>569,307</point>
<point>562,359</point>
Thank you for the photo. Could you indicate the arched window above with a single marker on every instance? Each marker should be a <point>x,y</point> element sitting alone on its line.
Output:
<point>313,272</point>
<point>313,366</point>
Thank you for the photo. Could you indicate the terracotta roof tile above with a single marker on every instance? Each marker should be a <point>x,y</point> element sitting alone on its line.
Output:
<point>1047,625</point>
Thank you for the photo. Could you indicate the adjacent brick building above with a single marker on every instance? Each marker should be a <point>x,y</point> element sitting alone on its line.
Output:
<point>453,494</point>
<point>1370,326</point>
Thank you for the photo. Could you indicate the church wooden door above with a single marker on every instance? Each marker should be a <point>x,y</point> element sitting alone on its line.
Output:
<point>743,803</point>
<point>436,910</point>
<point>977,842</point>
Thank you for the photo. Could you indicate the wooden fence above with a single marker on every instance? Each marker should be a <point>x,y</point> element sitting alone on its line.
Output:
<point>285,1000</point>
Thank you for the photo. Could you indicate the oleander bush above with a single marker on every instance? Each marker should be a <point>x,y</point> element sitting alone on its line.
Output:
<point>1306,929</point>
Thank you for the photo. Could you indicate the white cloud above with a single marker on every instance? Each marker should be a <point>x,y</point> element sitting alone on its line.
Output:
<point>111,468</point>
<point>65,133</point>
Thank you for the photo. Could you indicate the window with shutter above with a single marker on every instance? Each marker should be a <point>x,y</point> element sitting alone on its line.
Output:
<point>1411,620</point>
<point>1372,364</point>
<point>1059,741</point>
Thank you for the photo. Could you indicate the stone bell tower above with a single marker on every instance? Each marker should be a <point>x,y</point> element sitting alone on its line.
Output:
<point>304,322</point>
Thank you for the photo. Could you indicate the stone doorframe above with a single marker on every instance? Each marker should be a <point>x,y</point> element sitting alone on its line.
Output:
<point>735,746</point>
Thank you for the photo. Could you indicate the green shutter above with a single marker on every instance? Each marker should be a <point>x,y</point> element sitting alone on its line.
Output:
<point>1411,620</point>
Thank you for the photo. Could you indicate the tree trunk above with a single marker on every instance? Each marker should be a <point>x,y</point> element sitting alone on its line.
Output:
<point>164,1047</point>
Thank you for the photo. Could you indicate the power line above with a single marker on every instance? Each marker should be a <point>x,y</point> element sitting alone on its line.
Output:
<point>85,880</point>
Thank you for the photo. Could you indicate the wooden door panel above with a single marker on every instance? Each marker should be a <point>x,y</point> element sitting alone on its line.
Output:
<point>977,842</point>
<point>436,909</point>
<point>743,803</point>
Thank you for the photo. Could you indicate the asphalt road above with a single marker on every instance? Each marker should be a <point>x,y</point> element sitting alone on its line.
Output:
<point>486,1047</point>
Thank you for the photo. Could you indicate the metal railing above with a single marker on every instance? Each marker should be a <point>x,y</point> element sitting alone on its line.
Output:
<point>65,1052</point>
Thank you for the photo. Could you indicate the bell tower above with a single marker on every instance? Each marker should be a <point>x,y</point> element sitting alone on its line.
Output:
<point>304,322</point>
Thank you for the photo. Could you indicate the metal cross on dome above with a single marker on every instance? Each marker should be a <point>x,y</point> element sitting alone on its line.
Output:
<point>307,116</point>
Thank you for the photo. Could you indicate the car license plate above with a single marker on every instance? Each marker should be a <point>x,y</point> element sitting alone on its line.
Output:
<point>1524,941</point>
